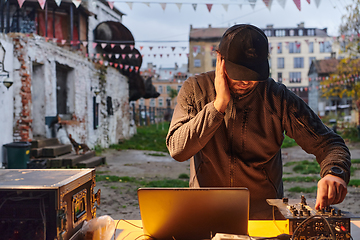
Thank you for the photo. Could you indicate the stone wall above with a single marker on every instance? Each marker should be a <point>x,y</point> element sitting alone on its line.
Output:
<point>33,99</point>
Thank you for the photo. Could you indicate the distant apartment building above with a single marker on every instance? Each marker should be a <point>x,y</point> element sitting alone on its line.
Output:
<point>291,51</point>
<point>164,79</point>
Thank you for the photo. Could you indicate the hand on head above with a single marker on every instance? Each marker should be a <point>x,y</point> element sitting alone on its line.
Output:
<point>331,190</point>
<point>221,86</point>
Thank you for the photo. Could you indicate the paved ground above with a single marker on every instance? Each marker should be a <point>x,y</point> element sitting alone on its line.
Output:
<point>119,199</point>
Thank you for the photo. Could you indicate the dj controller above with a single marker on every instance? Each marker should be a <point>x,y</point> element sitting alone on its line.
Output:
<point>305,222</point>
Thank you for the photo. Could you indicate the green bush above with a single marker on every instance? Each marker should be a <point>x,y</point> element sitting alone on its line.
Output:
<point>150,137</point>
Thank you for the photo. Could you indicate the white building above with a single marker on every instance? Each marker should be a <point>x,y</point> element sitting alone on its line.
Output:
<point>291,52</point>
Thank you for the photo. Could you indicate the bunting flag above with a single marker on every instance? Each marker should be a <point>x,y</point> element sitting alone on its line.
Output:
<point>298,4</point>
<point>76,3</point>
<point>42,3</point>
<point>317,3</point>
<point>268,3</point>
<point>122,46</point>
<point>147,4</point>
<point>163,6</point>
<point>63,41</point>
<point>194,5</point>
<point>103,45</point>
<point>117,55</point>
<point>130,5</point>
<point>58,2</point>
<point>225,6</point>
<point>282,3</point>
<point>21,2</point>
<point>308,1</point>
<point>179,5</point>
<point>54,40</point>
<point>252,3</point>
<point>209,6</point>
<point>111,4</point>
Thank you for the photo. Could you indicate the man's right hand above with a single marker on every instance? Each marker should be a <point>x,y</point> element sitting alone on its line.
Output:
<point>221,86</point>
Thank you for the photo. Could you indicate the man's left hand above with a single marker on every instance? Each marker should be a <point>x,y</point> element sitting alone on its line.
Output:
<point>331,190</point>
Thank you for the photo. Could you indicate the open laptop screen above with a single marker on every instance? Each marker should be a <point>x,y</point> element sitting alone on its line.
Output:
<point>193,213</point>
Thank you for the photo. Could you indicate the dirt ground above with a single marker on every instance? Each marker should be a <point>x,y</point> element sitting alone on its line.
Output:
<point>119,199</point>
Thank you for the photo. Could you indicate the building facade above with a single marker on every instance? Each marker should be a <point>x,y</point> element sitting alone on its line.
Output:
<point>291,51</point>
<point>54,75</point>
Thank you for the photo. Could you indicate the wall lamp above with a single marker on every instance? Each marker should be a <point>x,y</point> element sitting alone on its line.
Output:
<point>96,90</point>
<point>6,82</point>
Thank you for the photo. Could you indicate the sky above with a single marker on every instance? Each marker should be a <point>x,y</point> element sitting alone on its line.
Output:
<point>166,32</point>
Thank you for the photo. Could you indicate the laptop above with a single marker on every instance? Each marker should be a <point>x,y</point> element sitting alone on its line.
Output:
<point>193,213</point>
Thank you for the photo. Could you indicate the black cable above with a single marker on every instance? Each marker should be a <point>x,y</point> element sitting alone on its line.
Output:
<point>311,218</point>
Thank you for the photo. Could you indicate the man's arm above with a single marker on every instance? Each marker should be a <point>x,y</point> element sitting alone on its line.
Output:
<point>303,125</point>
<point>190,130</point>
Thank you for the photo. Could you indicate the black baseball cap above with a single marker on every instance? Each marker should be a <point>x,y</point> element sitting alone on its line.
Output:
<point>245,50</point>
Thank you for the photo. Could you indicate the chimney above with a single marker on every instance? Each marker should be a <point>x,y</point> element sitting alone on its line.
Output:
<point>209,25</point>
<point>301,25</point>
<point>270,26</point>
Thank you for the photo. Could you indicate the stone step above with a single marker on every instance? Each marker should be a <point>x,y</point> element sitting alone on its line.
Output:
<point>54,163</point>
<point>37,164</point>
<point>70,160</point>
<point>40,143</point>
<point>92,162</point>
<point>36,152</point>
<point>56,150</point>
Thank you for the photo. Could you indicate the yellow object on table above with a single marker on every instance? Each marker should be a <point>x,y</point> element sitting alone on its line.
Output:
<point>132,229</point>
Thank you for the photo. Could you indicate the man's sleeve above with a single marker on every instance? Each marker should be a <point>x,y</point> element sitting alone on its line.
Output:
<point>193,124</point>
<point>307,129</point>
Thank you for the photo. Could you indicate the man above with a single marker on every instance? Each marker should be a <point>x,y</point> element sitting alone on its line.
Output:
<point>231,123</point>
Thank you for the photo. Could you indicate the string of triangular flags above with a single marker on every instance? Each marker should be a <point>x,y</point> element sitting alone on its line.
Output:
<point>58,2</point>
<point>115,58</point>
<point>268,4</point>
<point>209,6</point>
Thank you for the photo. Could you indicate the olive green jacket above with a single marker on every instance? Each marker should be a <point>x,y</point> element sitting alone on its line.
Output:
<point>242,148</point>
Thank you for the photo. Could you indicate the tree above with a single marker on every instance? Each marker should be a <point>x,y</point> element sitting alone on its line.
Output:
<point>345,81</point>
<point>173,93</point>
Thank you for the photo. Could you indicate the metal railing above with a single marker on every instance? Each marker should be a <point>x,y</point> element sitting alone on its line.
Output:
<point>144,115</point>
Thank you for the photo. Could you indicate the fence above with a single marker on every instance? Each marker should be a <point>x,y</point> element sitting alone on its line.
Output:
<point>144,115</point>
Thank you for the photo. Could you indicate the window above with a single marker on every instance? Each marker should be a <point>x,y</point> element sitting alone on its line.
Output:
<point>142,102</point>
<point>280,77</point>
<point>325,47</point>
<point>295,77</point>
<point>160,102</point>
<point>160,89</point>
<point>298,62</point>
<point>213,62</point>
<point>280,33</point>
<point>311,47</point>
<point>178,88</point>
<point>279,47</point>
<point>311,32</point>
<point>152,102</point>
<point>310,60</point>
<point>280,63</point>
<point>197,63</point>
<point>294,47</point>
<point>300,32</point>
<point>168,89</point>
<point>268,33</point>
<point>291,32</point>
